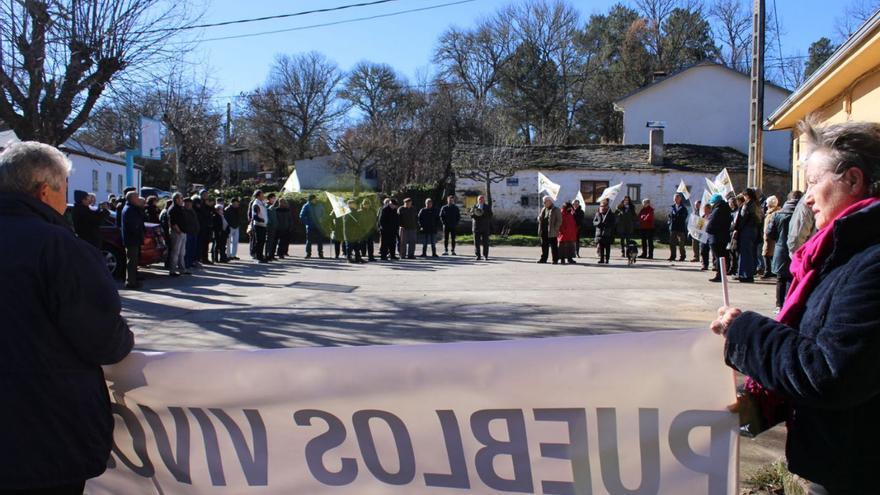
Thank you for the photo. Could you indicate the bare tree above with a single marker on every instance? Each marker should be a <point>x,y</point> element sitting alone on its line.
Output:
<point>301,99</point>
<point>855,13</point>
<point>358,149</point>
<point>474,58</point>
<point>57,57</point>
<point>376,90</point>
<point>733,31</point>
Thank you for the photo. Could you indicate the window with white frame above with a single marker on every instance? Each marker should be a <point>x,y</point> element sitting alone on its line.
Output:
<point>109,182</point>
<point>634,191</point>
<point>95,180</point>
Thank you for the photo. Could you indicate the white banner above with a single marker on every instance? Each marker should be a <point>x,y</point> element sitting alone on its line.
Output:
<point>639,412</point>
<point>610,193</point>
<point>340,206</point>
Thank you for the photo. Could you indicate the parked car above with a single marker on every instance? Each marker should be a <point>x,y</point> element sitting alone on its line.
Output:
<point>153,250</point>
<point>146,192</point>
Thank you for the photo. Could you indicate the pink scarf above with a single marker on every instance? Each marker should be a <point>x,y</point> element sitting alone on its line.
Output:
<point>806,263</point>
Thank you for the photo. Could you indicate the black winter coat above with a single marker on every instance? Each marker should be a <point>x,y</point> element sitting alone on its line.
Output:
<point>87,223</point>
<point>605,226</point>
<point>678,218</point>
<point>133,226</point>
<point>450,215</point>
<point>428,220</point>
<point>779,230</point>
<point>718,226</point>
<point>233,216</point>
<point>61,322</point>
<point>827,365</point>
<point>389,220</point>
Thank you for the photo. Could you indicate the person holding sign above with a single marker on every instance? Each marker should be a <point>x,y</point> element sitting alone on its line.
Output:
<point>819,356</point>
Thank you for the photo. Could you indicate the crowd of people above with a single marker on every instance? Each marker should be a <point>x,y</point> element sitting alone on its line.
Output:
<point>753,235</point>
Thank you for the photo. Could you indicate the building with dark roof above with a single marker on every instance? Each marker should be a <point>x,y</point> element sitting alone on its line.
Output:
<point>589,169</point>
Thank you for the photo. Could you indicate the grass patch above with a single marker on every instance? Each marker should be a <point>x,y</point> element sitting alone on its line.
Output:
<point>773,479</point>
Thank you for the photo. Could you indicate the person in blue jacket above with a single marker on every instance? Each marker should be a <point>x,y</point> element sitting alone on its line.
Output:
<point>61,321</point>
<point>677,222</point>
<point>309,215</point>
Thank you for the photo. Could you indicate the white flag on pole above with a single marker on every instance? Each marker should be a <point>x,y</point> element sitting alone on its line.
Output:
<point>580,197</point>
<point>723,184</point>
<point>683,188</point>
<point>340,207</point>
<point>707,197</point>
<point>548,186</point>
<point>713,188</point>
<point>292,183</point>
<point>610,193</point>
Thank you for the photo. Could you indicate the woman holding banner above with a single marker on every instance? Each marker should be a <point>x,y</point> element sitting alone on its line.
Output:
<point>819,357</point>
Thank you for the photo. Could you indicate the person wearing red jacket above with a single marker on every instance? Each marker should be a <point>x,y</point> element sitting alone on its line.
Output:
<point>568,234</point>
<point>646,227</point>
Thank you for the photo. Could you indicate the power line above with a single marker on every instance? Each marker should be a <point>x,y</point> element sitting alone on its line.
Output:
<point>268,18</point>
<point>326,24</point>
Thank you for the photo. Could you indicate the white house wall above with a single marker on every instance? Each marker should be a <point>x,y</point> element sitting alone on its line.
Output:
<point>706,105</point>
<point>319,173</point>
<point>81,177</point>
<point>658,186</point>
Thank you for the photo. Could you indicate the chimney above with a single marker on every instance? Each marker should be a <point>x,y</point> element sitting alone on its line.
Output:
<point>655,147</point>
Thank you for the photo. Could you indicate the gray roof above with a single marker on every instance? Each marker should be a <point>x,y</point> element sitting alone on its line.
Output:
<point>633,157</point>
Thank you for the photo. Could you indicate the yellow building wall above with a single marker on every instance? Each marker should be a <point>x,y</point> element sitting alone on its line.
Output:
<point>860,102</point>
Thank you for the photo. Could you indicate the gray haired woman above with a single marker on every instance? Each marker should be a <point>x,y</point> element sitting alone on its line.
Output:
<point>819,357</point>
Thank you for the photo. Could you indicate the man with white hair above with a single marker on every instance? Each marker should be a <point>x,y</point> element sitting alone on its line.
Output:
<point>549,221</point>
<point>133,233</point>
<point>61,322</point>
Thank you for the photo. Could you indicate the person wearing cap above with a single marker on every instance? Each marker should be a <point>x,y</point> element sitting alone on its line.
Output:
<point>677,222</point>
<point>718,232</point>
<point>87,222</point>
<point>409,228</point>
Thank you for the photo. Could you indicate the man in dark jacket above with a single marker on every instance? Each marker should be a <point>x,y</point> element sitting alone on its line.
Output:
<point>309,215</point>
<point>389,223</point>
<point>409,227</point>
<point>481,225</point>
<point>87,223</point>
<point>191,220</point>
<point>132,236</point>
<point>718,232</point>
<point>428,228</point>
<point>779,230</point>
<point>121,204</point>
<point>677,221</point>
<point>579,217</point>
<point>204,211</point>
<point>450,215</point>
<point>61,322</point>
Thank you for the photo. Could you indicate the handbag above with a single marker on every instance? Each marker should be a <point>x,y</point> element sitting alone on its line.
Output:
<point>760,409</point>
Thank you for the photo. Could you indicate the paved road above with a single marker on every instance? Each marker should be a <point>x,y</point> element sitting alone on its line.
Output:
<point>298,302</point>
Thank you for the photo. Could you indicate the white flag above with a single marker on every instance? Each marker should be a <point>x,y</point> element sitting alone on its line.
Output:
<point>713,188</point>
<point>723,184</point>
<point>707,197</point>
<point>580,197</point>
<point>683,188</point>
<point>610,193</point>
<point>548,186</point>
<point>340,207</point>
<point>292,183</point>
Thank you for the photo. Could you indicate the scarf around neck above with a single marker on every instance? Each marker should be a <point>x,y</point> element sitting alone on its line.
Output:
<point>806,266</point>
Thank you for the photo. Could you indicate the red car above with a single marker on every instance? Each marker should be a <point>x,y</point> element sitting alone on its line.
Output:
<point>153,250</point>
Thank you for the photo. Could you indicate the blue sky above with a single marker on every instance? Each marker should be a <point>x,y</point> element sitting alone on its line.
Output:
<point>407,41</point>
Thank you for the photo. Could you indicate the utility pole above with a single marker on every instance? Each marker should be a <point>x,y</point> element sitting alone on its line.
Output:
<point>226,150</point>
<point>756,104</point>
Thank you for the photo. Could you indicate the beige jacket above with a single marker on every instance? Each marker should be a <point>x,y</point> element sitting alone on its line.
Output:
<point>555,221</point>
